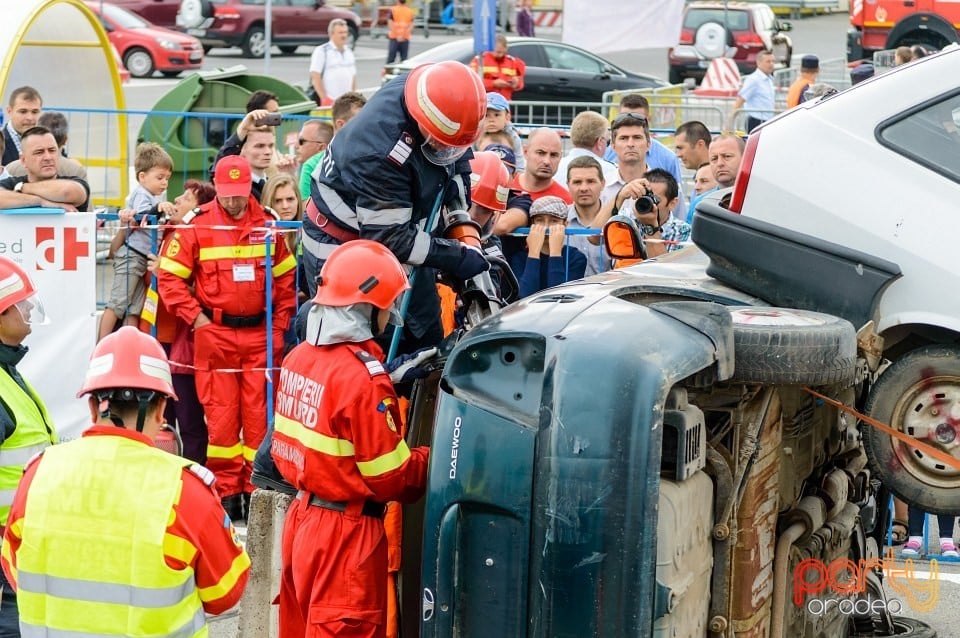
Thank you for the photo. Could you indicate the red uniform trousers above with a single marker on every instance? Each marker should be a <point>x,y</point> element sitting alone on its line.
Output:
<point>334,579</point>
<point>235,403</point>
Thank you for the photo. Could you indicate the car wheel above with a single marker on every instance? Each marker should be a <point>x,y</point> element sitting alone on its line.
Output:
<point>676,77</point>
<point>917,395</point>
<point>170,74</point>
<point>792,347</point>
<point>353,35</point>
<point>192,13</point>
<point>139,62</point>
<point>254,43</point>
<point>711,40</point>
<point>288,50</point>
<point>206,49</point>
<point>902,628</point>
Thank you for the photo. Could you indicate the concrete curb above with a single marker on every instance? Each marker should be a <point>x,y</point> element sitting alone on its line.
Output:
<point>258,616</point>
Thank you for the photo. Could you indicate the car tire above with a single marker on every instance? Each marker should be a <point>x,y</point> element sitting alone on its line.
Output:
<point>192,13</point>
<point>206,49</point>
<point>676,77</point>
<point>254,42</point>
<point>170,74</point>
<point>711,40</point>
<point>288,49</point>
<point>910,396</point>
<point>902,628</point>
<point>139,62</point>
<point>792,347</point>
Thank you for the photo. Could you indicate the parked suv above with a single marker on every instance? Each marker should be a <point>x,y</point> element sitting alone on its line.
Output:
<point>845,204</point>
<point>735,30</point>
<point>241,23</point>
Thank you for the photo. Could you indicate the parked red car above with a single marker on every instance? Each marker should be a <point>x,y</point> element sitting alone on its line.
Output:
<point>144,47</point>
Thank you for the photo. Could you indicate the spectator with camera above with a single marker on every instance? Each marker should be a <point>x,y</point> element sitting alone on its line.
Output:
<point>654,196</point>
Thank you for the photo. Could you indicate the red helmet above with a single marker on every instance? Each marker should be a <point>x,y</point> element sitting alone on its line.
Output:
<point>361,271</point>
<point>448,101</point>
<point>489,181</point>
<point>128,359</point>
<point>16,287</point>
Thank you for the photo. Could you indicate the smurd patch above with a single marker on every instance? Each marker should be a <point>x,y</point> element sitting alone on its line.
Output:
<point>173,249</point>
<point>383,405</point>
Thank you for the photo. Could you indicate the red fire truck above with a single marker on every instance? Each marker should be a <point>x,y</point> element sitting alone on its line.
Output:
<point>876,25</point>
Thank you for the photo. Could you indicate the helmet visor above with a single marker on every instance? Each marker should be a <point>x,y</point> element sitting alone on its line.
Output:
<point>441,154</point>
<point>31,311</point>
<point>396,311</point>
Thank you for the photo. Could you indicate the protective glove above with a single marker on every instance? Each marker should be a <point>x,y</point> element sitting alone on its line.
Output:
<point>472,262</point>
<point>408,367</point>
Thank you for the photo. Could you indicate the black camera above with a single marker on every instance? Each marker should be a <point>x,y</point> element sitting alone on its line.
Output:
<point>646,204</point>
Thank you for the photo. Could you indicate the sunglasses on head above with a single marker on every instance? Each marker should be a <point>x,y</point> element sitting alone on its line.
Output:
<point>625,118</point>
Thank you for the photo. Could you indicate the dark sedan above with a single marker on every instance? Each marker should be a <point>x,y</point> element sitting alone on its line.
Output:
<point>556,72</point>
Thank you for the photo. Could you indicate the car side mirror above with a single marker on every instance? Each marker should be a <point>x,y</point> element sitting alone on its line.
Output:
<point>784,26</point>
<point>621,238</point>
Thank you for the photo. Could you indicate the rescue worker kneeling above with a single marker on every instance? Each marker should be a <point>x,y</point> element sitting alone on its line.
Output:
<point>336,440</point>
<point>110,536</point>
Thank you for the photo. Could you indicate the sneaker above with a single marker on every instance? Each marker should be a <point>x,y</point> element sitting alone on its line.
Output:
<point>948,549</point>
<point>912,547</point>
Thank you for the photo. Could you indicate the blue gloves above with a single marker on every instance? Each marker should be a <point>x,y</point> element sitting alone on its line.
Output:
<point>409,367</point>
<point>472,262</point>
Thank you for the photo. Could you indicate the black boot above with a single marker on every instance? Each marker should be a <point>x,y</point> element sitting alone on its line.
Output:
<point>265,474</point>
<point>233,506</point>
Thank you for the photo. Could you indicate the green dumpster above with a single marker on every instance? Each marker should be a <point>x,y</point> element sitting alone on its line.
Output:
<point>195,117</point>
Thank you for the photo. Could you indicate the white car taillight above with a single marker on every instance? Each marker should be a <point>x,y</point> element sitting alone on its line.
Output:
<point>743,176</point>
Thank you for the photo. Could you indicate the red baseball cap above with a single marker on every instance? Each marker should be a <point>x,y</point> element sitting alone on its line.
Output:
<point>232,177</point>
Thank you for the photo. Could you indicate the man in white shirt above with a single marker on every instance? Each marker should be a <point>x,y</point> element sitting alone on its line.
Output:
<point>589,134</point>
<point>333,69</point>
<point>757,93</point>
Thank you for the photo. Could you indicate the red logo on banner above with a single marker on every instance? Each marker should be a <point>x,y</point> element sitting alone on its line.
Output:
<point>59,248</point>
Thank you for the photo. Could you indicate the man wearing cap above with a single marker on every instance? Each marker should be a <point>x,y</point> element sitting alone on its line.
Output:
<point>548,261</point>
<point>25,425</point>
<point>497,119</point>
<point>809,70</point>
<point>501,72</point>
<point>213,275</point>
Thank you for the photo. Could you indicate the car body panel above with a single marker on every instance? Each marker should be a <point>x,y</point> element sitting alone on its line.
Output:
<point>188,57</point>
<point>577,75</point>
<point>840,181</point>
<point>162,13</point>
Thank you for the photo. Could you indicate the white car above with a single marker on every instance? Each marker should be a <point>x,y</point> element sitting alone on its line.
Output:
<point>848,205</point>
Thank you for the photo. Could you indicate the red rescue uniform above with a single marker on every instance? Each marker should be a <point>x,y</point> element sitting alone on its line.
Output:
<point>202,538</point>
<point>336,439</point>
<point>505,68</point>
<point>227,269</point>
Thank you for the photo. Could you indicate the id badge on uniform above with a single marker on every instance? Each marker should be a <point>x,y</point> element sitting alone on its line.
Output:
<point>243,272</point>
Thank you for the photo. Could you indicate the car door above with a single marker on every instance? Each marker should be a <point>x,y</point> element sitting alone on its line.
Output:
<point>537,80</point>
<point>287,24</point>
<point>577,75</point>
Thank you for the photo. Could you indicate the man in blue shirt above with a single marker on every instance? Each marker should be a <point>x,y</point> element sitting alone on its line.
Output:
<point>757,93</point>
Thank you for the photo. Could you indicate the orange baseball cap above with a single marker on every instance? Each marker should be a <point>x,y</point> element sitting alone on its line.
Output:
<point>232,177</point>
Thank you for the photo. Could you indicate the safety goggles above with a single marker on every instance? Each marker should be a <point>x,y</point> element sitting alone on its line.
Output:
<point>440,154</point>
<point>31,311</point>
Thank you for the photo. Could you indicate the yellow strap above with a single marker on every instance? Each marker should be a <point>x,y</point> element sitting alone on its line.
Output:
<point>240,564</point>
<point>175,268</point>
<point>386,462</point>
<point>234,252</point>
<point>311,439</point>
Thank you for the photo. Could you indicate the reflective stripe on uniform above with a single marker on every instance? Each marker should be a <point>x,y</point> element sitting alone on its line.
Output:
<point>421,248</point>
<point>235,252</point>
<point>175,268</point>
<point>100,592</point>
<point>192,628</point>
<point>384,216</point>
<point>6,497</point>
<point>223,452</point>
<point>284,266</point>
<point>316,248</point>
<point>179,548</point>
<point>218,591</point>
<point>338,208</point>
<point>312,439</point>
<point>249,453</point>
<point>20,456</point>
<point>385,462</point>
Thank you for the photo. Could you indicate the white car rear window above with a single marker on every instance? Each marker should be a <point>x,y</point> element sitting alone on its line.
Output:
<point>929,135</point>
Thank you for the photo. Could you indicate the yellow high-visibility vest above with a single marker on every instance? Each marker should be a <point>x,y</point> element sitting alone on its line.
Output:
<point>33,434</point>
<point>92,557</point>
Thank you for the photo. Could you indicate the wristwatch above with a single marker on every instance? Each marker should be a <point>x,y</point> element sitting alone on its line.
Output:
<point>18,187</point>
<point>649,231</point>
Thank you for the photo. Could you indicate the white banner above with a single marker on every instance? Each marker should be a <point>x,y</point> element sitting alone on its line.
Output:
<point>602,26</point>
<point>58,251</point>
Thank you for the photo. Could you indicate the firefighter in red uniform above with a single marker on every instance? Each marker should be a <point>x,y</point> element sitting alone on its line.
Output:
<point>222,257</point>
<point>336,440</point>
<point>502,73</point>
<point>110,536</point>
